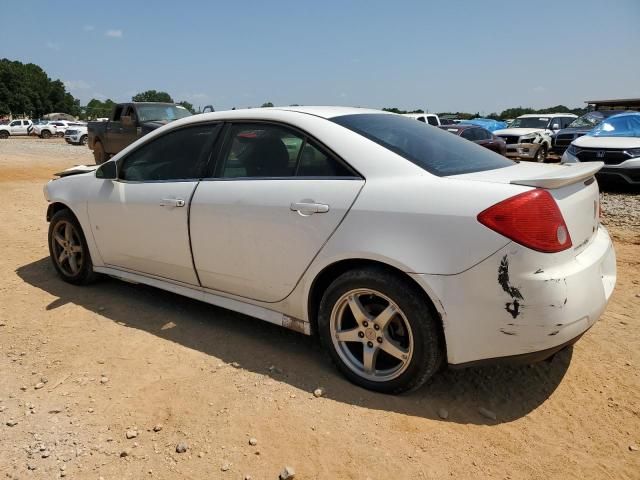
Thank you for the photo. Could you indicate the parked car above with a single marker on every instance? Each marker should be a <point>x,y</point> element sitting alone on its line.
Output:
<point>430,118</point>
<point>478,135</point>
<point>61,126</point>
<point>487,123</point>
<point>402,246</point>
<point>579,127</point>
<point>128,122</point>
<point>16,128</point>
<point>76,134</point>
<point>616,142</point>
<point>530,136</point>
<point>45,129</point>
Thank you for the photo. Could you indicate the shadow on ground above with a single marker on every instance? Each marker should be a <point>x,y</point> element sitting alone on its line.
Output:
<point>511,392</point>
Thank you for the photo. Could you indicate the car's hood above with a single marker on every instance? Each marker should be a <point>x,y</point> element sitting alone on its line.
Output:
<point>587,141</point>
<point>518,131</point>
<point>76,170</point>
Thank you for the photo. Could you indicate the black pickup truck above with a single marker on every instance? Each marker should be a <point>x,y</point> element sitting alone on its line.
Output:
<point>128,122</point>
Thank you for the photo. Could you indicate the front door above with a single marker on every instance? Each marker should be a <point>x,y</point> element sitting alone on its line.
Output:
<point>275,199</point>
<point>140,222</point>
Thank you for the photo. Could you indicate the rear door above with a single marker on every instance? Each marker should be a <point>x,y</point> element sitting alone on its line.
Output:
<point>274,200</point>
<point>141,221</point>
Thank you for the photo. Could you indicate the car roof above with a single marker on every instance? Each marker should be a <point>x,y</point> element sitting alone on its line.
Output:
<point>549,115</point>
<point>328,111</point>
<point>460,126</point>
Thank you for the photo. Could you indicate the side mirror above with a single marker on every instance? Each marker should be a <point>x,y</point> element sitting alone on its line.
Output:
<point>126,121</point>
<point>555,126</point>
<point>107,171</point>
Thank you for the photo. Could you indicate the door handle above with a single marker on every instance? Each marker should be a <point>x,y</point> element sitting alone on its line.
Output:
<point>309,208</point>
<point>172,202</point>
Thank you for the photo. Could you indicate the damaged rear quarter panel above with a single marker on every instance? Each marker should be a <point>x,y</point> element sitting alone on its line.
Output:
<point>519,301</point>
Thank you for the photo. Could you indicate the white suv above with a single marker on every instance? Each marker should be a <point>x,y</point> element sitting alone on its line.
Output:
<point>76,134</point>
<point>530,136</point>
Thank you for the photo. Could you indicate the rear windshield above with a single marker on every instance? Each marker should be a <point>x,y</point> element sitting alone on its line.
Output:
<point>436,151</point>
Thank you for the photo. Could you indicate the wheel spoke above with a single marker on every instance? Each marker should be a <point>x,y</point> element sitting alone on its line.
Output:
<point>76,248</point>
<point>387,314</point>
<point>73,263</point>
<point>369,355</point>
<point>390,347</point>
<point>62,257</point>
<point>358,310</point>
<point>350,335</point>
<point>58,238</point>
<point>68,232</point>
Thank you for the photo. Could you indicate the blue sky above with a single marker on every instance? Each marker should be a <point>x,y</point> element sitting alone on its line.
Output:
<point>442,56</point>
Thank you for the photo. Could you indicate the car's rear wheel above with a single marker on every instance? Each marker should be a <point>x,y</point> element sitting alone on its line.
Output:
<point>4,134</point>
<point>380,331</point>
<point>45,134</point>
<point>68,249</point>
<point>83,140</point>
<point>99,155</point>
<point>541,154</point>
<point>60,134</point>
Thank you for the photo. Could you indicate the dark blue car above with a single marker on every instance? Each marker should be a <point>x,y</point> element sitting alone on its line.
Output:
<point>578,128</point>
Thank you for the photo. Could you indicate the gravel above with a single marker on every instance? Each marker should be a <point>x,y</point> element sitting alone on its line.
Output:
<point>620,209</point>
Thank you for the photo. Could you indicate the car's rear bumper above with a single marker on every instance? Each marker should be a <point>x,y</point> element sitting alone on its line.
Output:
<point>557,300</point>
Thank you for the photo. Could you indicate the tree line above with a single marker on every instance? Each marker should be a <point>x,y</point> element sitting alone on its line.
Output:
<point>505,114</point>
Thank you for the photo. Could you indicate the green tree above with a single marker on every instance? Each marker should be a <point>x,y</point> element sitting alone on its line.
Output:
<point>267,104</point>
<point>187,105</point>
<point>152,96</point>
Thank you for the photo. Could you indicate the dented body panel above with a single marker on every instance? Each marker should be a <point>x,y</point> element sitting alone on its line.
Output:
<point>536,301</point>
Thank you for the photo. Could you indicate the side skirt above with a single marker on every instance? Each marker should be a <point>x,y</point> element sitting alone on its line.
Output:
<point>198,293</point>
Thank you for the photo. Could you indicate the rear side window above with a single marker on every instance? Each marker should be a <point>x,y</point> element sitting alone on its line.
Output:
<point>436,151</point>
<point>273,151</point>
<point>432,120</point>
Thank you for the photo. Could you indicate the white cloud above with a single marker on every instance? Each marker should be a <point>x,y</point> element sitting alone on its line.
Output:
<point>539,89</point>
<point>76,85</point>
<point>53,46</point>
<point>88,28</point>
<point>114,33</point>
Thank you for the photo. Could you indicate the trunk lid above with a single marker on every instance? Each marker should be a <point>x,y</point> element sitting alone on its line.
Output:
<point>574,190</point>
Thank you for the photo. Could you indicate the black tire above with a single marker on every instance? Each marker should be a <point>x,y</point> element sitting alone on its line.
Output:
<point>83,140</point>
<point>4,134</point>
<point>541,154</point>
<point>99,155</point>
<point>45,134</point>
<point>428,340</point>
<point>84,274</point>
<point>60,134</point>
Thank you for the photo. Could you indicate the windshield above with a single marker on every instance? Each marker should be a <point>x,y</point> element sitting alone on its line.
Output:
<point>590,119</point>
<point>530,122</point>
<point>624,125</point>
<point>149,113</point>
<point>436,151</point>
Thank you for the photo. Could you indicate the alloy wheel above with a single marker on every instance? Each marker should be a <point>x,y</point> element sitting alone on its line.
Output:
<point>371,335</point>
<point>67,248</point>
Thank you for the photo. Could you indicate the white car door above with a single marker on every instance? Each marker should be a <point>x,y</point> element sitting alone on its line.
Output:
<point>17,128</point>
<point>140,221</point>
<point>275,199</point>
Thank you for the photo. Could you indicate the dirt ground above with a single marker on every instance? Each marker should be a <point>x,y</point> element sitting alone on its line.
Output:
<point>80,367</point>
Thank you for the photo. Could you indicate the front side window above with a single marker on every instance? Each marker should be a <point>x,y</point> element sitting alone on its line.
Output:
<point>15,124</point>
<point>181,154</point>
<point>432,120</point>
<point>432,149</point>
<point>273,151</point>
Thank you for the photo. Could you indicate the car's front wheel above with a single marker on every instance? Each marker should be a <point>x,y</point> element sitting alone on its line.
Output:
<point>83,140</point>
<point>45,134</point>
<point>68,249</point>
<point>541,154</point>
<point>380,331</point>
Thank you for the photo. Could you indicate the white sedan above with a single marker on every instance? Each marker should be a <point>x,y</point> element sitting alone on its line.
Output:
<point>405,248</point>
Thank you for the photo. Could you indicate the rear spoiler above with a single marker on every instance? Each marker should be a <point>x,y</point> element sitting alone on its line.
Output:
<point>565,174</point>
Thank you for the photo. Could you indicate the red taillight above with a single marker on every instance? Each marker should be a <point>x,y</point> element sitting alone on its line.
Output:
<point>532,219</point>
